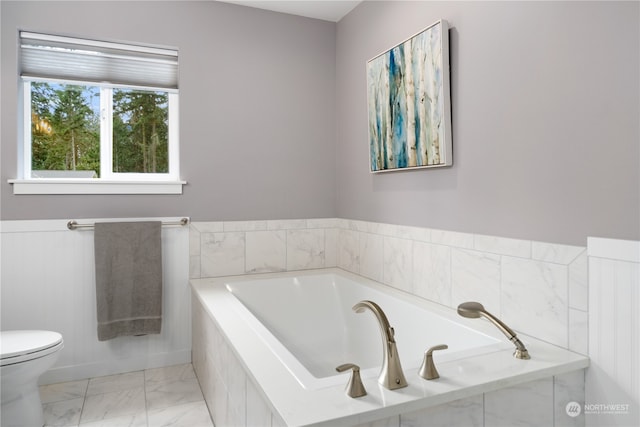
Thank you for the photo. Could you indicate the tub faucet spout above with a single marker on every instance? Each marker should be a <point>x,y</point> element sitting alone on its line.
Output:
<point>391,375</point>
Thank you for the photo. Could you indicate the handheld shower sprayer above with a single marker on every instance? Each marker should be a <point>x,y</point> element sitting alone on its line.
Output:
<point>473,310</point>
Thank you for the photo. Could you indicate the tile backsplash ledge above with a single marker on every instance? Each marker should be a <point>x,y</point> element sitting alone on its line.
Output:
<point>538,288</point>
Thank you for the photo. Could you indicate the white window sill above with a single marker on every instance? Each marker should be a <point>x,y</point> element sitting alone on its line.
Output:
<point>94,186</point>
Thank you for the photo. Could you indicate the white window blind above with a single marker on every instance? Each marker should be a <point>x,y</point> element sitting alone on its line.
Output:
<point>67,58</point>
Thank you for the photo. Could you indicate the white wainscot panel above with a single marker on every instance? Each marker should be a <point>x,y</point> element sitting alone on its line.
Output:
<point>614,340</point>
<point>48,282</point>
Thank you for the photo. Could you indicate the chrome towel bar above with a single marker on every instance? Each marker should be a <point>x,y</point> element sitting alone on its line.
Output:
<point>73,225</point>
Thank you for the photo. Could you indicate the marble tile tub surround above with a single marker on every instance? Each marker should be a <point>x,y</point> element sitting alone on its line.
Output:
<point>244,247</point>
<point>245,385</point>
<point>537,288</point>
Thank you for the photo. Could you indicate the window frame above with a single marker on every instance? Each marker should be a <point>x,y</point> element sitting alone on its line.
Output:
<point>109,182</point>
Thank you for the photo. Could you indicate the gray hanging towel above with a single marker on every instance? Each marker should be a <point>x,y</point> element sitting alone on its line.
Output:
<point>128,258</point>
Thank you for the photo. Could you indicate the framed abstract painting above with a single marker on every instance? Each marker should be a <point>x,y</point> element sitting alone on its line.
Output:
<point>409,105</point>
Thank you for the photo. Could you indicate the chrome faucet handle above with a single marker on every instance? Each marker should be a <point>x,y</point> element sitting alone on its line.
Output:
<point>355,388</point>
<point>428,369</point>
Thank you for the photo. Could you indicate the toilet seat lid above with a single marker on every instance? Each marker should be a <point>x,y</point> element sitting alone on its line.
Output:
<point>20,343</point>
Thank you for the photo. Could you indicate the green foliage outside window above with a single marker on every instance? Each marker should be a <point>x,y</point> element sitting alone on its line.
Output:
<point>65,129</point>
<point>140,131</point>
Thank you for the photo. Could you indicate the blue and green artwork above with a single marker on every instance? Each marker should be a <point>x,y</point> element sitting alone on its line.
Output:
<point>408,103</point>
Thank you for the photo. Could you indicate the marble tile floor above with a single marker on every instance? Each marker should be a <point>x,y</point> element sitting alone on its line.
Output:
<point>160,397</point>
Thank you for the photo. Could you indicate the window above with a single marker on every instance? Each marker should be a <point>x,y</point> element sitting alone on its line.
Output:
<point>98,117</point>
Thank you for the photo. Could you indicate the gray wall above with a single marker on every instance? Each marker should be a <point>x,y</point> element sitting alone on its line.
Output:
<point>545,103</point>
<point>273,123</point>
<point>257,99</point>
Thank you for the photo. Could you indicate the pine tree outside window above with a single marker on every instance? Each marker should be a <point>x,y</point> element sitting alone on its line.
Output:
<point>97,113</point>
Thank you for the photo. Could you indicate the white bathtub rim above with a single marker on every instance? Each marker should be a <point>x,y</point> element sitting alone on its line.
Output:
<point>291,363</point>
<point>331,407</point>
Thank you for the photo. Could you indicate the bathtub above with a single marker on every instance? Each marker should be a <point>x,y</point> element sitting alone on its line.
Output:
<point>288,332</point>
<point>307,321</point>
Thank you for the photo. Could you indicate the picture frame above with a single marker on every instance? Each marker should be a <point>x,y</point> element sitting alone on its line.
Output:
<point>409,103</point>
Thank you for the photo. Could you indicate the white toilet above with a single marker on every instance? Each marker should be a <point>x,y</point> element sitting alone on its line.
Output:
<point>25,356</point>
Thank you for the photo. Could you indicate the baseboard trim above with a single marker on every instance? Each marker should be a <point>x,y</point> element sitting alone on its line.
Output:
<point>113,367</point>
